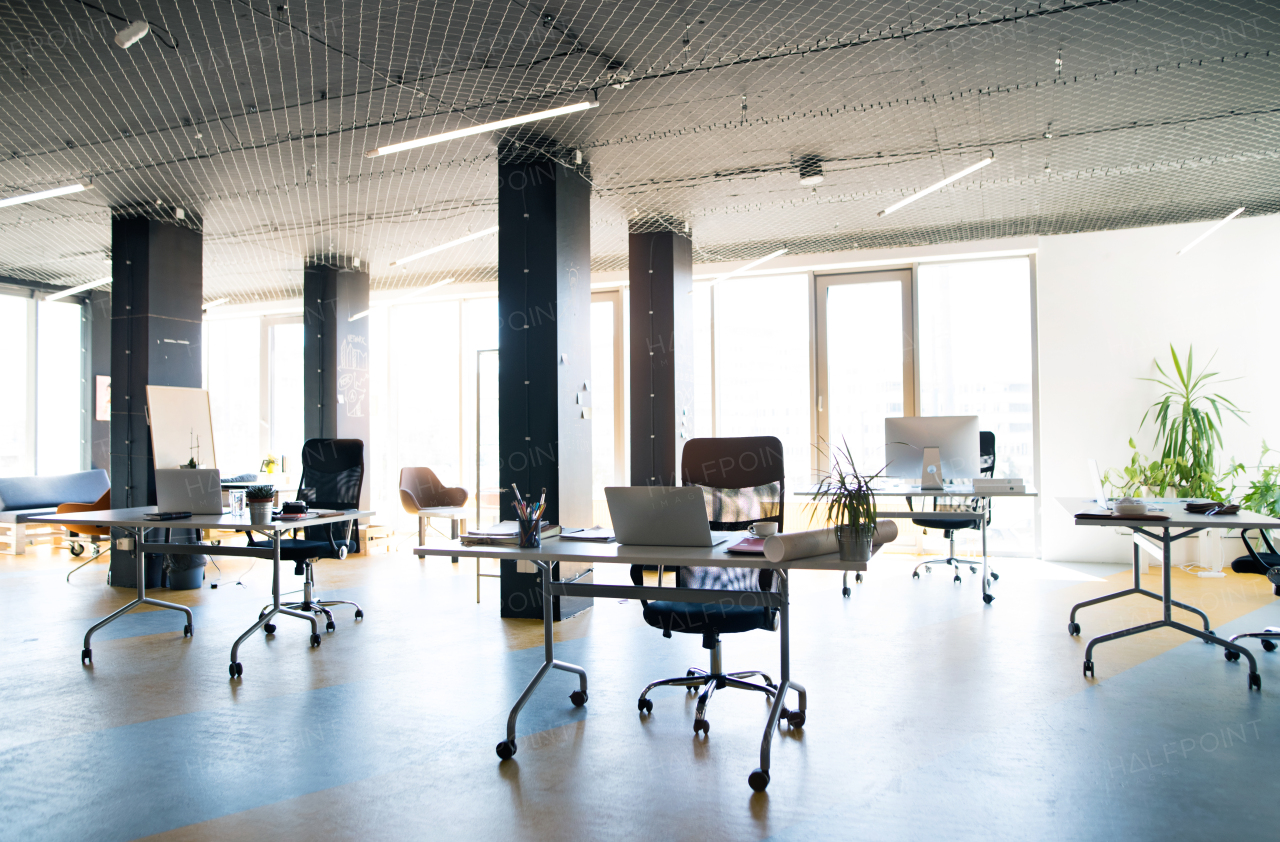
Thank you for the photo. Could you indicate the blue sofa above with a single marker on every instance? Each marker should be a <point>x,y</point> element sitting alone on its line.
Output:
<point>24,497</point>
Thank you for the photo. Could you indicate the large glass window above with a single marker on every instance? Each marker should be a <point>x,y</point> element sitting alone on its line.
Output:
<point>232,349</point>
<point>59,442</point>
<point>15,452</point>
<point>286,394</point>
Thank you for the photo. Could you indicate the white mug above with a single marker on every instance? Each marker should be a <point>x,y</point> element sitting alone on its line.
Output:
<point>763,528</point>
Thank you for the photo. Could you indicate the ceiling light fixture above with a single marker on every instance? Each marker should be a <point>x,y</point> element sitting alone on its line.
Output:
<point>477,235</point>
<point>403,300</point>
<point>480,129</point>
<point>934,187</point>
<point>73,290</point>
<point>753,264</point>
<point>217,302</point>
<point>1189,246</point>
<point>132,34</point>
<point>43,194</point>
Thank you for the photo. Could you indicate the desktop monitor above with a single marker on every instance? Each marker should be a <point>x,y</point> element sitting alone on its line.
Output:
<point>954,436</point>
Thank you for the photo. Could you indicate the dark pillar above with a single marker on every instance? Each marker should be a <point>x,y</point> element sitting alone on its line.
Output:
<point>661,269</point>
<point>336,355</point>
<point>99,310</point>
<point>544,348</point>
<point>157,290</point>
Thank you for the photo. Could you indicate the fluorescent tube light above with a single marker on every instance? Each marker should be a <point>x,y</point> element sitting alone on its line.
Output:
<point>217,302</point>
<point>477,235</point>
<point>132,34</point>
<point>480,129</point>
<point>753,264</point>
<point>43,194</point>
<point>932,187</point>
<point>63,293</point>
<point>402,300</point>
<point>1189,246</point>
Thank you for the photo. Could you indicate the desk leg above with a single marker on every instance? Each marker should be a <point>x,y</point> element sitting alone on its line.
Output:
<point>507,748</point>
<point>987,597</point>
<point>422,530</point>
<point>453,534</point>
<point>237,669</point>
<point>86,655</point>
<point>1167,621</point>
<point>1074,628</point>
<point>759,779</point>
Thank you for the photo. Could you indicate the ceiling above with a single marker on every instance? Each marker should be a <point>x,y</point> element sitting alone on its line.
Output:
<point>253,118</point>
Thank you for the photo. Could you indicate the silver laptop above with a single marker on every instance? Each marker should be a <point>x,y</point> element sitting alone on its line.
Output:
<point>661,516</point>
<point>195,490</point>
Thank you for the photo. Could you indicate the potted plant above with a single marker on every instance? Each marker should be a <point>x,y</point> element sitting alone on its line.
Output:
<point>260,499</point>
<point>850,506</point>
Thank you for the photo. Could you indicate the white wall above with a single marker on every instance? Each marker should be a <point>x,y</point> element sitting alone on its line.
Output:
<point>1111,302</point>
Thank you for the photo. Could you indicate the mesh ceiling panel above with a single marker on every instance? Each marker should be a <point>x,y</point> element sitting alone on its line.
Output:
<point>250,120</point>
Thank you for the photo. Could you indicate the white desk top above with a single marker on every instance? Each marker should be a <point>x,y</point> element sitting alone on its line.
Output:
<point>556,549</point>
<point>1179,518</point>
<point>949,491</point>
<point>134,518</point>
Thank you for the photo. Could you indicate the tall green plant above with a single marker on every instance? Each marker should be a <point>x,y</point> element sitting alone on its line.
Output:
<point>1188,427</point>
<point>845,494</point>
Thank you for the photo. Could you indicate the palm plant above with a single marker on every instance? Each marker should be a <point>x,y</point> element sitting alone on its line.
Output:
<point>846,495</point>
<point>1188,428</point>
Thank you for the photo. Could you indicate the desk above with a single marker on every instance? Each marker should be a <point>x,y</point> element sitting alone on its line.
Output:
<point>133,522</point>
<point>555,549</point>
<point>961,491</point>
<point>1159,531</point>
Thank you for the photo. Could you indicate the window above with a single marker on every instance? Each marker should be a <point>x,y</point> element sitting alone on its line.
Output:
<point>59,439</point>
<point>16,451</point>
<point>607,431</point>
<point>287,428</point>
<point>232,349</point>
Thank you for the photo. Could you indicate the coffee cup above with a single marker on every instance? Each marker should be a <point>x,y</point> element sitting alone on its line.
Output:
<point>763,528</point>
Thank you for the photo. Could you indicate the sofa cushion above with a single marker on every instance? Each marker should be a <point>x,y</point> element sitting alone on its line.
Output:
<point>41,492</point>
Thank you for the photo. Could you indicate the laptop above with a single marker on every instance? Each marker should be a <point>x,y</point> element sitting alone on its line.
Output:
<point>661,516</point>
<point>195,490</point>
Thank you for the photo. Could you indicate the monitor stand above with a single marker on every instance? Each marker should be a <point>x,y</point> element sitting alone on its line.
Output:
<point>931,469</point>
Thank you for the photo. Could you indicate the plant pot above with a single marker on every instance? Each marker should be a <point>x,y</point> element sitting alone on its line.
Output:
<point>260,511</point>
<point>855,542</point>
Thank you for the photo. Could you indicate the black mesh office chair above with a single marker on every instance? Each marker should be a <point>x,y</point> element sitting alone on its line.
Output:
<point>987,468</point>
<point>1268,564</point>
<point>332,476</point>
<point>742,479</point>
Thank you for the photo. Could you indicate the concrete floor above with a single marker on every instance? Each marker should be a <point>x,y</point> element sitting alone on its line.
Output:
<point>931,716</point>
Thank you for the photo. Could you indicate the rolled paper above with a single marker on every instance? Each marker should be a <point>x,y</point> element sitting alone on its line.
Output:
<point>789,546</point>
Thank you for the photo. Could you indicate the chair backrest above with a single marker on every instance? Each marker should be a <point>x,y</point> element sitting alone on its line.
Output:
<point>743,480</point>
<point>332,473</point>
<point>987,453</point>
<point>420,488</point>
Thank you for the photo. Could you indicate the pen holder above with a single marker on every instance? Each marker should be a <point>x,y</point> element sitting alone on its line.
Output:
<point>530,534</point>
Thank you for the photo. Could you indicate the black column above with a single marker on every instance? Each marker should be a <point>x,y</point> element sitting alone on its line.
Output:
<point>544,349</point>
<point>336,356</point>
<point>157,290</point>
<point>99,309</point>
<point>661,270</point>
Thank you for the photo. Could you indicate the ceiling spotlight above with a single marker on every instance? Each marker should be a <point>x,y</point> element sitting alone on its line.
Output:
<point>1189,246</point>
<point>810,170</point>
<point>132,34</point>
<point>919,194</point>
<point>480,129</point>
<point>43,194</point>
<point>477,235</point>
<point>63,293</point>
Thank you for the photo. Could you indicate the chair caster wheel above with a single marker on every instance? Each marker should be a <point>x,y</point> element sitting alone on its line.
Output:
<point>957,578</point>
<point>915,574</point>
<point>236,669</point>
<point>187,631</point>
<point>796,719</point>
<point>1073,629</point>
<point>1255,681</point>
<point>506,749</point>
<point>759,780</point>
<point>701,725</point>
<point>77,549</point>
<point>645,706</point>
<point>845,592</point>
<point>1231,654</point>
<point>988,598</point>
<point>342,553</point>
<point>578,697</point>
<point>1268,646</point>
<point>995,575</point>
<point>359,614</point>
<point>1088,669</point>
<point>857,577</point>
<point>329,626</point>
<point>972,569</point>
<point>689,673</point>
<point>928,570</point>
<point>315,639</point>
<point>86,656</point>
<point>269,628</point>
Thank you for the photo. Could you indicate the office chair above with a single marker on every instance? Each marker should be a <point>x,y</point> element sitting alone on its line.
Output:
<point>742,479</point>
<point>332,476</point>
<point>421,490</point>
<point>1268,564</point>
<point>94,534</point>
<point>987,468</point>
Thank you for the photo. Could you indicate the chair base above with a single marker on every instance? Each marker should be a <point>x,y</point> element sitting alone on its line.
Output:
<point>950,561</point>
<point>315,606</point>
<point>712,680</point>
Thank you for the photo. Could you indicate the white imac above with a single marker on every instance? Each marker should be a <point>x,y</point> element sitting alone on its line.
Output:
<point>932,450</point>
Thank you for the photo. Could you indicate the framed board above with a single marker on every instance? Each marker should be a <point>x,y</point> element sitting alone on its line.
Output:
<point>181,426</point>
